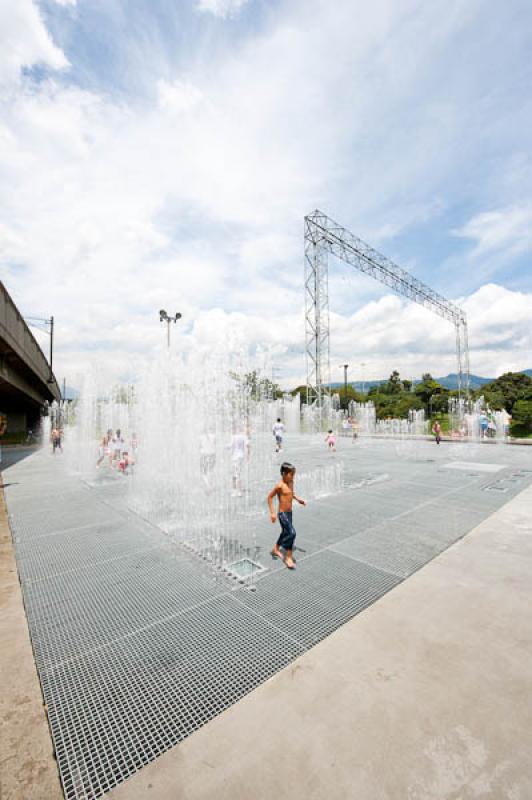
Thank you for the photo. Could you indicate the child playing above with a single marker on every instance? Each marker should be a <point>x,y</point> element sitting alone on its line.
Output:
<point>331,441</point>
<point>285,494</point>
<point>278,432</point>
<point>116,446</point>
<point>124,462</point>
<point>102,451</point>
<point>56,440</point>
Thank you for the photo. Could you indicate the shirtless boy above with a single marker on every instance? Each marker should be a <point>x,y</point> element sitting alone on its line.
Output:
<point>285,495</point>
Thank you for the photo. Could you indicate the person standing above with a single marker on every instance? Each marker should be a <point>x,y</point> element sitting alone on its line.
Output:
<point>331,441</point>
<point>117,446</point>
<point>102,451</point>
<point>56,440</point>
<point>436,430</point>
<point>278,432</point>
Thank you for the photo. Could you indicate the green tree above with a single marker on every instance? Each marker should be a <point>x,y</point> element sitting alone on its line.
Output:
<point>302,390</point>
<point>258,386</point>
<point>506,390</point>
<point>405,403</point>
<point>393,385</point>
<point>521,418</point>
<point>427,388</point>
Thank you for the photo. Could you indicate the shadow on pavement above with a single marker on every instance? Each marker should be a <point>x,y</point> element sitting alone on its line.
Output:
<point>11,455</point>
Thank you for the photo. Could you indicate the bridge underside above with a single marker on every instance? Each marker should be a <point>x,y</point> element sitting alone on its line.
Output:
<point>26,382</point>
<point>21,398</point>
<point>21,411</point>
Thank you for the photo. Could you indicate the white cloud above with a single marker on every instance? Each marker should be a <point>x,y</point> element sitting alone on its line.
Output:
<point>508,229</point>
<point>221,8</point>
<point>25,42</point>
<point>112,210</point>
<point>391,333</point>
<point>178,96</point>
<point>11,244</point>
<point>384,335</point>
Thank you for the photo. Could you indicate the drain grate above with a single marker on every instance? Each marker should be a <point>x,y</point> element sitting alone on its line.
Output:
<point>245,569</point>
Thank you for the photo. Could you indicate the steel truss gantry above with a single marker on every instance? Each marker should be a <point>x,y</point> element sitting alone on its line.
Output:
<point>324,236</point>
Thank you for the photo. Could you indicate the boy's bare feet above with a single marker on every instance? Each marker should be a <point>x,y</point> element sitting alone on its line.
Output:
<point>289,561</point>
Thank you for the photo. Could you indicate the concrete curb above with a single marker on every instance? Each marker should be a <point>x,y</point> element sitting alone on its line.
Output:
<point>28,770</point>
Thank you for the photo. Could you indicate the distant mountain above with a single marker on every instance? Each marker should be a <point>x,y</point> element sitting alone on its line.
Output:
<point>451,381</point>
<point>448,381</point>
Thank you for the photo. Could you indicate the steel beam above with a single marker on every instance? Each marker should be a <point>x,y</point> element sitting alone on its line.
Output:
<point>324,236</point>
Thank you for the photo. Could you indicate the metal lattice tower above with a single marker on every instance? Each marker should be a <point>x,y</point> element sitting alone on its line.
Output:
<point>316,308</point>
<point>324,236</point>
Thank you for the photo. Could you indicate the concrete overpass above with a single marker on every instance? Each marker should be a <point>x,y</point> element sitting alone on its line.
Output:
<point>26,382</point>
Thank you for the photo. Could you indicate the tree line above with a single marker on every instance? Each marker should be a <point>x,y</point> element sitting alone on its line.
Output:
<point>396,396</point>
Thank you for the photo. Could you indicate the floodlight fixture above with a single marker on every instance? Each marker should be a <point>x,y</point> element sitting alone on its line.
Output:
<point>163,317</point>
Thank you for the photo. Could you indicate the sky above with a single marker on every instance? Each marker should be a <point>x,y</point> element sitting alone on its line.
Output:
<point>163,154</point>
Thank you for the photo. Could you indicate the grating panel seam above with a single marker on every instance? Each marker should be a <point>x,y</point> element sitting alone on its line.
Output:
<point>430,502</point>
<point>270,623</point>
<point>98,563</point>
<point>138,630</point>
<point>380,567</point>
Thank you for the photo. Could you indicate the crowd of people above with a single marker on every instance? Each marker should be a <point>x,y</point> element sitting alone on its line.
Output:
<point>113,452</point>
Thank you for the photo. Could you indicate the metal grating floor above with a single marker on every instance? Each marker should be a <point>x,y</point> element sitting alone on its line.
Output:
<point>138,645</point>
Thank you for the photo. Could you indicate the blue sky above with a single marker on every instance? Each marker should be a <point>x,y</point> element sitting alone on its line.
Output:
<point>157,153</point>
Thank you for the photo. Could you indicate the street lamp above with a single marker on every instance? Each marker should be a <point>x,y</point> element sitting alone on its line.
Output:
<point>38,322</point>
<point>363,364</point>
<point>345,366</point>
<point>163,317</point>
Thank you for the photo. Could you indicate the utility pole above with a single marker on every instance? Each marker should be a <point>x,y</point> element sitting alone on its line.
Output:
<point>163,317</point>
<point>345,366</point>
<point>51,378</point>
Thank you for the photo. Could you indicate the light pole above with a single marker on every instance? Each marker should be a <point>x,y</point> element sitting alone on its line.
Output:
<point>345,366</point>
<point>363,381</point>
<point>163,317</point>
<point>37,322</point>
